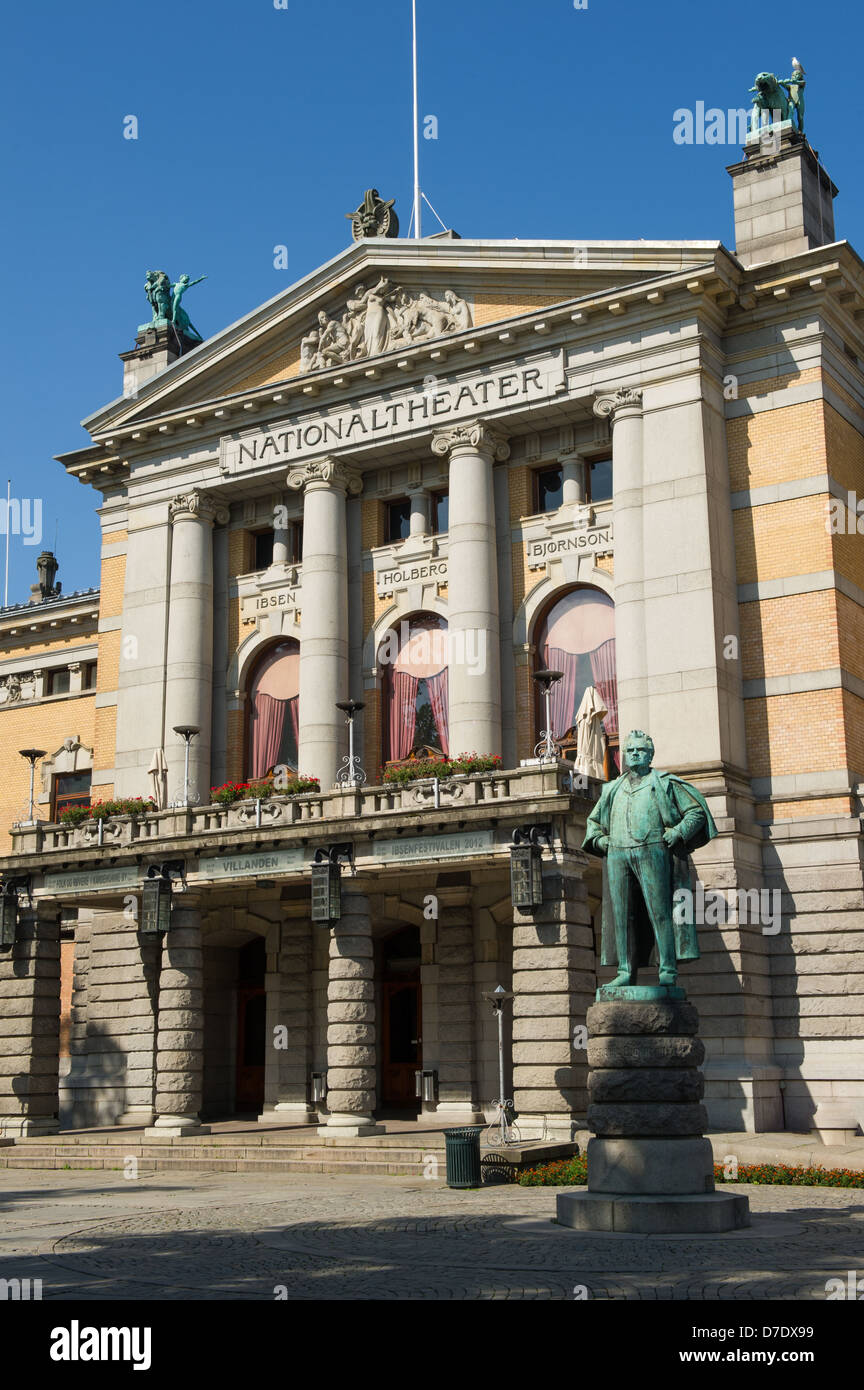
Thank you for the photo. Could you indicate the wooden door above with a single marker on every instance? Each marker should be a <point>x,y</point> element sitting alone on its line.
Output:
<point>251,1041</point>
<point>401,1043</point>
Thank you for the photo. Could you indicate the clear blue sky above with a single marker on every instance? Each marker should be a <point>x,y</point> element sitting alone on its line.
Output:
<point>261,126</point>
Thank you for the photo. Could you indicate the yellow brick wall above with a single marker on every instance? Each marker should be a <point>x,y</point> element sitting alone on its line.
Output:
<point>776,446</point>
<point>111,587</point>
<point>853,712</point>
<point>282,368</point>
<point>783,538</point>
<point>105,739</point>
<point>36,726</point>
<point>850,621</point>
<point>796,733</point>
<point>605,563</point>
<point>20,646</point>
<point>489,308</point>
<point>783,636</point>
<point>802,810</point>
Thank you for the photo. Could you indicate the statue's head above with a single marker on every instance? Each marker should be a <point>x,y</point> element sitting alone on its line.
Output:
<point>639,750</point>
<point>184,280</point>
<point>322,317</point>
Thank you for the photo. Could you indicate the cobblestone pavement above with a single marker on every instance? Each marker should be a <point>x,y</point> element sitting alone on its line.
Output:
<point>240,1236</point>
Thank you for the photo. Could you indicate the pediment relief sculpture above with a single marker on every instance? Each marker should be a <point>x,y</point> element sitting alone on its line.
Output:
<point>377,319</point>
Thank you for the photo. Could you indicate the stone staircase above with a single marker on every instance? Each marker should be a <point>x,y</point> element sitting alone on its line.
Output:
<point>403,1154</point>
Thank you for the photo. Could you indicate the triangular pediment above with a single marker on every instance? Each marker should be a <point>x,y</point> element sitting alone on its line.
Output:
<point>386,296</point>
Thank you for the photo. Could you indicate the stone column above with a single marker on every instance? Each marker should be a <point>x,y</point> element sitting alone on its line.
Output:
<point>351,1022</point>
<point>472,596</point>
<point>573,488</point>
<point>30,1025</point>
<point>289,1006</point>
<point>324,618</point>
<point>419,525</point>
<point>459,1004</point>
<point>554,978</point>
<point>623,408</point>
<point>180,1027</point>
<point>189,657</point>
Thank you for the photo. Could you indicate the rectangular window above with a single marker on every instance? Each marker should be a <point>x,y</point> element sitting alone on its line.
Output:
<point>398,521</point>
<point>441,513</point>
<point>70,789</point>
<point>88,676</point>
<point>57,682</point>
<point>548,493</point>
<point>600,480</point>
<point>263,549</point>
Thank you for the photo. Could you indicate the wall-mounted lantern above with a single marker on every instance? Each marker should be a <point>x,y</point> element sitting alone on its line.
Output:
<point>9,903</point>
<point>156,897</point>
<point>327,884</point>
<point>526,878</point>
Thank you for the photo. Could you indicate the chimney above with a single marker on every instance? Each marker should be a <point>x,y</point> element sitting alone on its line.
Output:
<point>46,568</point>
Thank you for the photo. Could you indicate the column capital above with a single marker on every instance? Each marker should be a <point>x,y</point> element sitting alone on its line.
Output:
<point>573,454</point>
<point>327,472</point>
<point>200,506</point>
<point>476,437</point>
<point>623,398</point>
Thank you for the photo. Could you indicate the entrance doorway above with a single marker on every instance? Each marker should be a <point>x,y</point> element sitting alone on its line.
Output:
<point>251,1027</point>
<point>401,1019</point>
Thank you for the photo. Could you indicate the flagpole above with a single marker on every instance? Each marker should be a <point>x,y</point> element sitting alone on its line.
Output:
<point>8,507</point>
<point>417,232</point>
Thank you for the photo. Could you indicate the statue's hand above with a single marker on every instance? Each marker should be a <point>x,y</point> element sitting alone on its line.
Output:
<point>602,843</point>
<point>671,836</point>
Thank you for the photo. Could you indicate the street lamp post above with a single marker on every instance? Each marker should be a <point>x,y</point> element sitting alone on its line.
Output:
<point>32,754</point>
<point>189,798</point>
<point>498,997</point>
<point>547,749</point>
<point>350,773</point>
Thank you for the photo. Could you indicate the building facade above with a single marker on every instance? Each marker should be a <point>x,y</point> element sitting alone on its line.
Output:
<point>416,477</point>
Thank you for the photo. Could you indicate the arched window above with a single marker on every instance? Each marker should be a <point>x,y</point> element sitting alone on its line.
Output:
<point>577,636</point>
<point>273,710</point>
<point>414,688</point>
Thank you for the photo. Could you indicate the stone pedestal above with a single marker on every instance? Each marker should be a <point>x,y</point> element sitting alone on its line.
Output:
<point>784,198</point>
<point>649,1168</point>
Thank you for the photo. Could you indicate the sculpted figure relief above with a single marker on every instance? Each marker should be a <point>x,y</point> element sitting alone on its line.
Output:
<point>377,319</point>
<point>644,826</point>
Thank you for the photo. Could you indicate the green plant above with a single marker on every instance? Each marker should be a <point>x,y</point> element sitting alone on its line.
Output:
<point>787,1174</point>
<point>122,806</point>
<point>260,789</point>
<point>561,1172</point>
<point>464,765</point>
<point>73,815</point>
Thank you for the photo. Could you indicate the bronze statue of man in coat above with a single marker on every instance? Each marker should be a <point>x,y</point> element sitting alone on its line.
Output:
<point>644,825</point>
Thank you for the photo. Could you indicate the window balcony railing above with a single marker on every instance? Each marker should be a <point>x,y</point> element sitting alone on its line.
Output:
<point>528,789</point>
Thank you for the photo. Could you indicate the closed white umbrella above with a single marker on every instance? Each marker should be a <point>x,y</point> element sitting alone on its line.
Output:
<point>590,738</point>
<point>158,772</point>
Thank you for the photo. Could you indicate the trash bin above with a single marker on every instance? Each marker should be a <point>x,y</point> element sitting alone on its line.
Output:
<point>463,1156</point>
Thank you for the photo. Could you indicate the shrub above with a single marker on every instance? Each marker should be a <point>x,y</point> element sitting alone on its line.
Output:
<point>573,1172</point>
<point>786,1174</point>
<point>73,815</point>
<point>260,789</point>
<point>465,764</point>
<point>122,806</point>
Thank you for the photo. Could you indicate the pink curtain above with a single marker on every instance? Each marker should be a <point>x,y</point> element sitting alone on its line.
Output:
<point>294,716</point>
<point>440,701</point>
<point>403,714</point>
<point>606,682</point>
<point>268,723</point>
<point>563,693</point>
